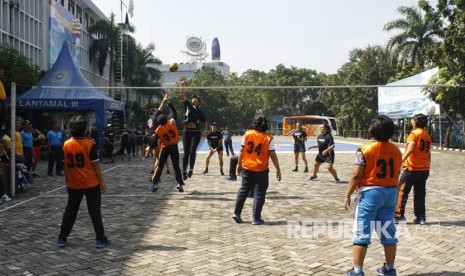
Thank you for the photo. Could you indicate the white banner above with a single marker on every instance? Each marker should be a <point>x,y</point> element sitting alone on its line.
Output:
<point>404,102</point>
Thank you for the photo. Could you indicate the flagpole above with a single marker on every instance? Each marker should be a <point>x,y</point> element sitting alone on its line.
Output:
<point>121,42</point>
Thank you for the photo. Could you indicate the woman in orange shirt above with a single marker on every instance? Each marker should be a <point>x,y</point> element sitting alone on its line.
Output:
<point>416,162</point>
<point>83,177</point>
<point>257,149</point>
<point>374,177</point>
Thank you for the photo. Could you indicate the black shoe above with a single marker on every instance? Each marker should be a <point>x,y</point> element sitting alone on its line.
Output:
<point>204,172</point>
<point>258,222</point>
<point>102,244</point>
<point>230,178</point>
<point>60,174</point>
<point>306,170</point>
<point>189,174</point>
<point>419,221</point>
<point>184,175</point>
<point>237,218</point>
<point>295,170</point>
<point>50,174</point>
<point>221,171</point>
<point>167,172</point>
<point>180,188</point>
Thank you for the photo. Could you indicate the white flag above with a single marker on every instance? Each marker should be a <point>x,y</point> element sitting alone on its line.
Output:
<point>131,8</point>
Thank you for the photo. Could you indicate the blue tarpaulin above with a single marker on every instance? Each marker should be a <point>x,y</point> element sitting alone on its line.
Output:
<point>81,97</point>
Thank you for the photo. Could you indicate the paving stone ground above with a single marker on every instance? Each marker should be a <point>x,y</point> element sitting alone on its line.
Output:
<point>307,230</point>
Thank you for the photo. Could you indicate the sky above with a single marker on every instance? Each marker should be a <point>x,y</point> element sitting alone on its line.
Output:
<point>260,34</point>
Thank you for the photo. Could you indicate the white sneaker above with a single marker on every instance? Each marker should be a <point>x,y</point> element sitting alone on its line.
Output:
<point>5,198</point>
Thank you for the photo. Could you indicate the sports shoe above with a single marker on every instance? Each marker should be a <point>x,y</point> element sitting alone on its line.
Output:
<point>102,243</point>
<point>306,170</point>
<point>237,218</point>
<point>155,187</point>
<point>230,178</point>
<point>5,198</point>
<point>312,177</point>
<point>337,180</point>
<point>383,271</point>
<point>184,175</point>
<point>62,243</point>
<point>400,220</point>
<point>180,188</point>
<point>351,272</point>
<point>204,172</point>
<point>419,221</point>
<point>35,175</point>
<point>295,170</point>
<point>189,174</point>
<point>221,171</point>
<point>258,222</point>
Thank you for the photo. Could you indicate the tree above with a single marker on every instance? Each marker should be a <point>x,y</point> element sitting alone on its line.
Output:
<point>418,34</point>
<point>292,102</point>
<point>18,69</point>
<point>139,69</point>
<point>450,57</point>
<point>107,36</point>
<point>213,101</point>
<point>355,107</point>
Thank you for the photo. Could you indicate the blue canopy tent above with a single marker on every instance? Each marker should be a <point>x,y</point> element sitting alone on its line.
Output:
<point>80,97</point>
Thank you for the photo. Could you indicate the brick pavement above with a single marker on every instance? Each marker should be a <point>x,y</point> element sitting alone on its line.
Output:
<point>307,230</point>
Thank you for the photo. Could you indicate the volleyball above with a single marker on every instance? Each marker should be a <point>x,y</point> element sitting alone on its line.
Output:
<point>41,137</point>
<point>173,67</point>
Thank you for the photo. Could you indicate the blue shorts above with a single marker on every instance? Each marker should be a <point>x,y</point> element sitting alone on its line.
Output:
<point>374,210</point>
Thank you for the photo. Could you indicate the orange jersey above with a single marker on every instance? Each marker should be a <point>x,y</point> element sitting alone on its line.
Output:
<point>255,152</point>
<point>382,161</point>
<point>420,158</point>
<point>167,134</point>
<point>79,154</point>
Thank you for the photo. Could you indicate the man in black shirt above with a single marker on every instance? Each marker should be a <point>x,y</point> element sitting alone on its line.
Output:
<point>215,142</point>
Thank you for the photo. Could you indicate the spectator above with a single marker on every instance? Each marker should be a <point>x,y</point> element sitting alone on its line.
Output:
<point>27,141</point>
<point>55,144</point>
<point>109,144</point>
<point>228,141</point>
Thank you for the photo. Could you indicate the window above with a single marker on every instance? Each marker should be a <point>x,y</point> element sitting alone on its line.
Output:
<point>71,7</point>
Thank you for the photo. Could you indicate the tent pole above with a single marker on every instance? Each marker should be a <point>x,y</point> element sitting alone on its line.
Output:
<point>13,140</point>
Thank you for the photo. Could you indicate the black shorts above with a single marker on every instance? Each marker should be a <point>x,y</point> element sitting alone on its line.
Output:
<point>153,142</point>
<point>109,150</point>
<point>329,158</point>
<point>299,148</point>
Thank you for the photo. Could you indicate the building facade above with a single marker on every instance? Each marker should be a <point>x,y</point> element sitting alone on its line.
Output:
<point>169,79</point>
<point>28,26</point>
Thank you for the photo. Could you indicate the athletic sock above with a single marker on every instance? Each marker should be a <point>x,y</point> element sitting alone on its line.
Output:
<point>358,269</point>
<point>388,267</point>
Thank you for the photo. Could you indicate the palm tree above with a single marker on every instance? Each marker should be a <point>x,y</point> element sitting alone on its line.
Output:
<point>418,34</point>
<point>140,71</point>
<point>106,43</point>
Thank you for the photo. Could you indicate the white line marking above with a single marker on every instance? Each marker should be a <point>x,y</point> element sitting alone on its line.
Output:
<point>459,198</point>
<point>46,193</point>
